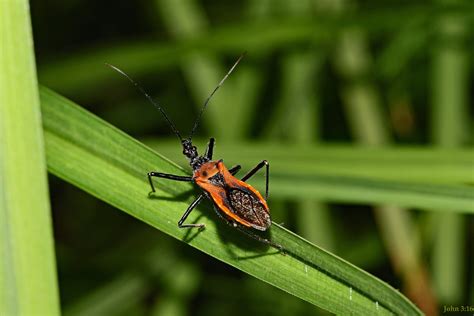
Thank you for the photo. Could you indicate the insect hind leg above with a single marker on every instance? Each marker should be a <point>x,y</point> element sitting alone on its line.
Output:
<point>257,237</point>
<point>257,168</point>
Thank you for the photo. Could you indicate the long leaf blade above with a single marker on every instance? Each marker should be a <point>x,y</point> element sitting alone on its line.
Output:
<point>27,270</point>
<point>91,154</point>
<point>401,176</point>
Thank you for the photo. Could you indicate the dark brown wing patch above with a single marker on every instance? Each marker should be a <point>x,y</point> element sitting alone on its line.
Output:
<point>217,180</point>
<point>247,206</point>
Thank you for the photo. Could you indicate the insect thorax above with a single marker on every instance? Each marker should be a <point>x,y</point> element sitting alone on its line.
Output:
<point>217,180</point>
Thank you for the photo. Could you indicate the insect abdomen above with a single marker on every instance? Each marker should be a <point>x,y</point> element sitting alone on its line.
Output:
<point>248,207</point>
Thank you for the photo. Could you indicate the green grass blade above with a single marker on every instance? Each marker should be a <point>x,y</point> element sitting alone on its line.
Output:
<point>185,20</point>
<point>364,111</point>
<point>452,166</point>
<point>27,269</point>
<point>449,128</point>
<point>354,174</point>
<point>91,154</point>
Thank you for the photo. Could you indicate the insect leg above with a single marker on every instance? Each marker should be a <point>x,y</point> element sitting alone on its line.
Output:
<point>254,170</point>
<point>185,215</point>
<point>258,238</point>
<point>167,176</point>
<point>210,148</point>
<point>234,169</point>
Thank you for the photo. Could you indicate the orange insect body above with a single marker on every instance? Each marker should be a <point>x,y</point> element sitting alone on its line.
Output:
<point>239,201</point>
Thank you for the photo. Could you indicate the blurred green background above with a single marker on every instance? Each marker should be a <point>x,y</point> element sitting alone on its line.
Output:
<point>317,72</point>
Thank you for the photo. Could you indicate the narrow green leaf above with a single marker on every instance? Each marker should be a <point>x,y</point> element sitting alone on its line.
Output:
<point>91,154</point>
<point>185,20</point>
<point>450,91</point>
<point>27,268</point>
<point>403,164</point>
<point>357,174</point>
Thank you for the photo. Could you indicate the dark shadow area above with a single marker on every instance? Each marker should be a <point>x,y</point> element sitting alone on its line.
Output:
<point>180,197</point>
<point>193,232</point>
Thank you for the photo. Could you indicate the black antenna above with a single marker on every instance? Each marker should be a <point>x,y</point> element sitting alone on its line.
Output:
<point>140,88</point>
<point>212,93</point>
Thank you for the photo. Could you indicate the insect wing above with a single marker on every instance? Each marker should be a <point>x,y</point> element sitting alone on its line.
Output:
<point>246,205</point>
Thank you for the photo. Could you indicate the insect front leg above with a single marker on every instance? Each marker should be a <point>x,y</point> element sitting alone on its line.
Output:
<point>167,176</point>
<point>255,169</point>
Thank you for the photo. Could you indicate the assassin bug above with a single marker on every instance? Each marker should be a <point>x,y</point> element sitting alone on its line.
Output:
<point>236,201</point>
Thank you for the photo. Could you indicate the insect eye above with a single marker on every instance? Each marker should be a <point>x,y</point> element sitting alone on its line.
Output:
<point>204,173</point>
